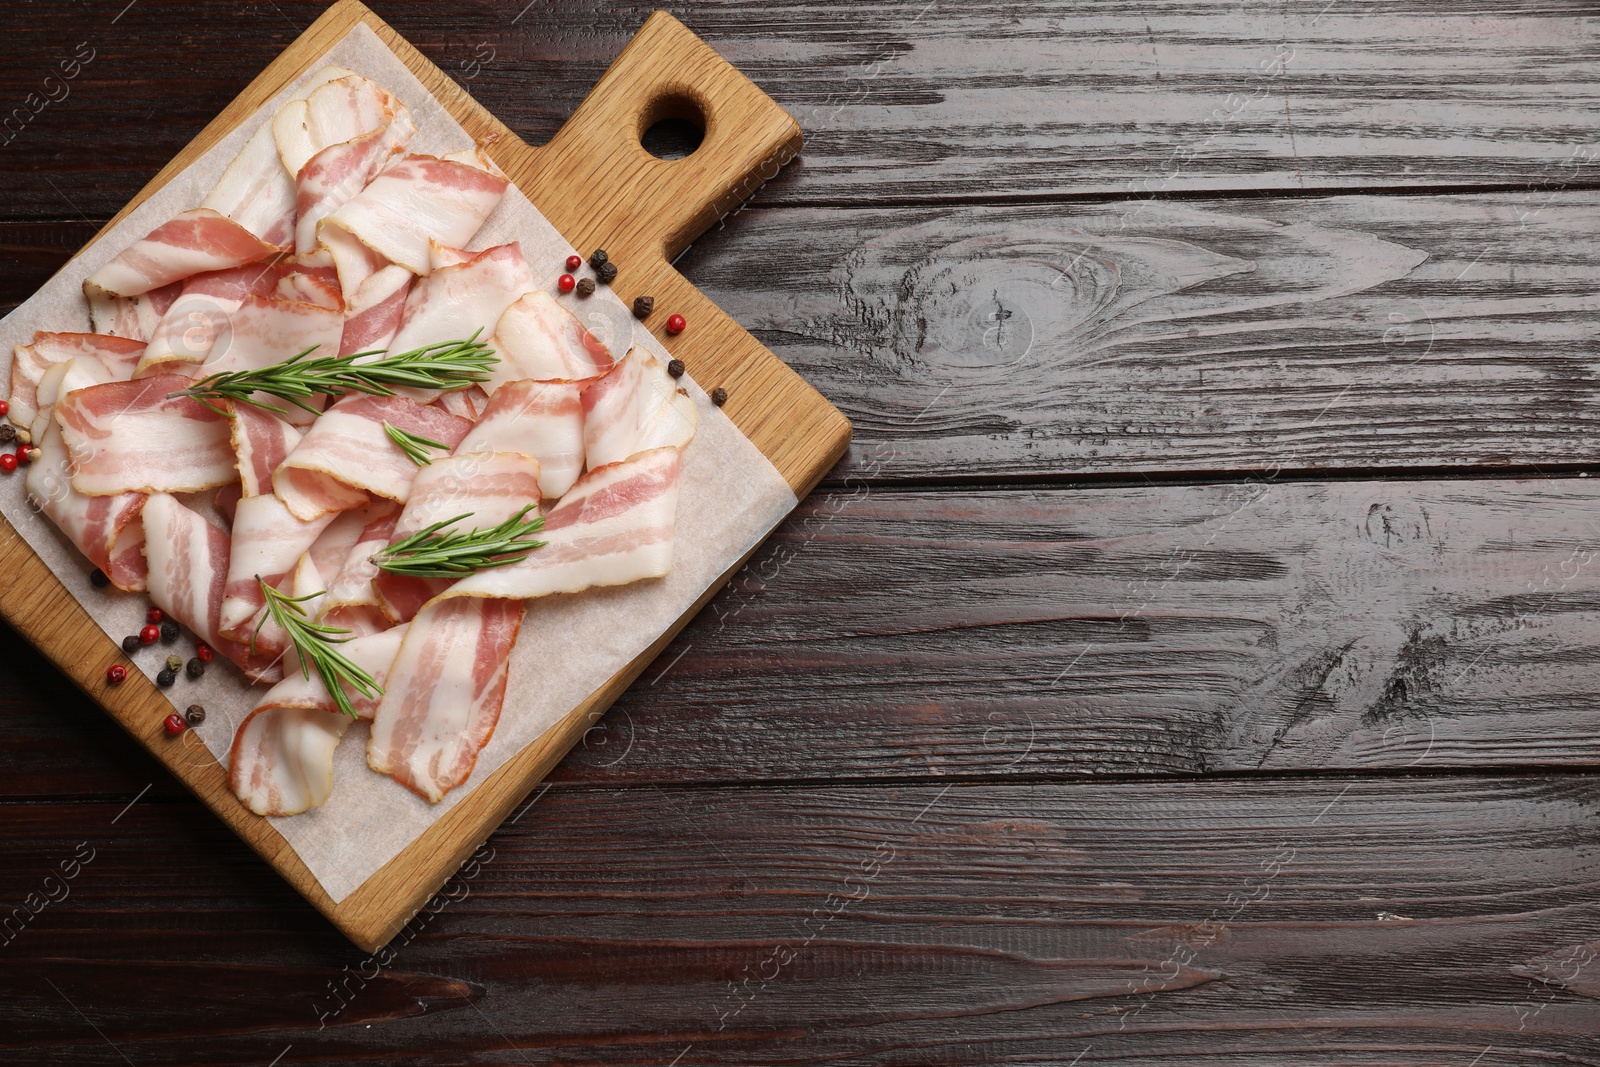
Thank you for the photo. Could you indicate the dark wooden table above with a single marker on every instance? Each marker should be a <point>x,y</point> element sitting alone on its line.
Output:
<point>1196,660</point>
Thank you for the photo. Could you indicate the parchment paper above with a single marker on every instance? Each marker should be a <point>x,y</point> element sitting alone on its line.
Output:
<point>731,497</point>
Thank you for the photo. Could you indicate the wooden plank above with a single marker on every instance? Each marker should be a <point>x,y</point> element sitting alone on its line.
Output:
<point>1372,921</point>
<point>1060,633</point>
<point>1343,333</point>
<point>664,67</point>
<point>906,101</point>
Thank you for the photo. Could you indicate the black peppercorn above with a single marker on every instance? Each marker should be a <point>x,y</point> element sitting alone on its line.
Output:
<point>598,258</point>
<point>169,631</point>
<point>8,433</point>
<point>675,368</point>
<point>719,396</point>
<point>130,644</point>
<point>195,715</point>
<point>606,272</point>
<point>98,579</point>
<point>585,286</point>
<point>643,306</point>
<point>195,667</point>
<point>166,677</point>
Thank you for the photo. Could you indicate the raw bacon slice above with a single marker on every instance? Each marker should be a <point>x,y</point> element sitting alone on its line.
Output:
<point>268,330</point>
<point>417,200</point>
<point>261,442</point>
<point>106,529</point>
<point>352,601</point>
<point>334,112</point>
<point>490,486</point>
<point>195,241</point>
<point>634,408</point>
<point>353,262</point>
<point>267,542</point>
<point>79,372</point>
<point>338,172</point>
<point>128,437</point>
<point>539,419</point>
<point>203,315</point>
<point>30,362</point>
<point>468,403</point>
<point>537,338</point>
<point>444,256</point>
<point>461,299</point>
<point>348,446</point>
<point>256,191</point>
<point>374,316</point>
<point>282,757</point>
<point>443,693</point>
<point>309,492</point>
<point>188,573</point>
<point>133,317</point>
<point>614,527</point>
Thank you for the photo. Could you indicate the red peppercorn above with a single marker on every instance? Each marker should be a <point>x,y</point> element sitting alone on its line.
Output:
<point>154,616</point>
<point>566,283</point>
<point>676,324</point>
<point>204,652</point>
<point>174,725</point>
<point>148,635</point>
<point>23,458</point>
<point>5,405</point>
<point>116,673</point>
<point>8,462</point>
<point>573,263</point>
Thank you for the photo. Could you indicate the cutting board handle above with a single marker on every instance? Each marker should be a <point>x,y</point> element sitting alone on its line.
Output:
<point>599,160</point>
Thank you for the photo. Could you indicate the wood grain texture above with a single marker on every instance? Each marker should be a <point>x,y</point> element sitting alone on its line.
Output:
<point>796,428</point>
<point>1336,921</point>
<point>1049,341</point>
<point>906,101</point>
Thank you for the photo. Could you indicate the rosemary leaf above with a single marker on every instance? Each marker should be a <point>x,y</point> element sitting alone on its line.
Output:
<point>314,641</point>
<point>414,446</point>
<point>431,554</point>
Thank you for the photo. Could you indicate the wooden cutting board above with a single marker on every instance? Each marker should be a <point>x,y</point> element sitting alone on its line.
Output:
<point>595,182</point>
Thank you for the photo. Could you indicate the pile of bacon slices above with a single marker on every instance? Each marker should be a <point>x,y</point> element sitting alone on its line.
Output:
<point>326,233</point>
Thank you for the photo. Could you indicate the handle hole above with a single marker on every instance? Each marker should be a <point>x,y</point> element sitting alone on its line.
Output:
<point>674,127</point>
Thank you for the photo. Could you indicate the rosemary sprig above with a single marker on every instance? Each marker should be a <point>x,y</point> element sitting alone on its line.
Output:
<point>447,365</point>
<point>430,554</point>
<point>314,641</point>
<point>414,446</point>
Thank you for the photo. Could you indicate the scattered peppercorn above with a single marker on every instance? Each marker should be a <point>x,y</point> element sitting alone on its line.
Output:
<point>676,324</point>
<point>598,258</point>
<point>148,634</point>
<point>195,715</point>
<point>33,454</point>
<point>566,283</point>
<point>195,667</point>
<point>719,396</point>
<point>116,674</point>
<point>174,725</point>
<point>203,652</point>
<point>643,306</point>
<point>130,644</point>
<point>24,437</point>
<point>8,462</point>
<point>585,286</point>
<point>154,615</point>
<point>8,433</point>
<point>169,631</point>
<point>98,579</point>
<point>174,662</point>
<point>574,261</point>
<point>166,677</point>
<point>675,368</point>
<point>606,272</point>
<point>25,454</point>
<point>5,408</point>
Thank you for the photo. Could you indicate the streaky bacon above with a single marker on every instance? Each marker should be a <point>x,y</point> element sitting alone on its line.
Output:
<point>106,529</point>
<point>466,403</point>
<point>261,442</point>
<point>188,559</point>
<point>537,338</point>
<point>444,256</point>
<point>256,191</point>
<point>352,601</point>
<point>267,541</point>
<point>373,318</point>
<point>417,200</point>
<point>132,317</point>
<point>266,330</point>
<point>614,527</point>
<point>332,113</point>
<point>634,408</point>
<point>128,437</point>
<point>341,170</point>
<point>281,762</point>
<point>203,313</point>
<point>490,486</point>
<point>443,694</point>
<point>462,299</point>
<point>348,446</point>
<point>194,241</point>
<point>30,362</point>
<point>539,419</point>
